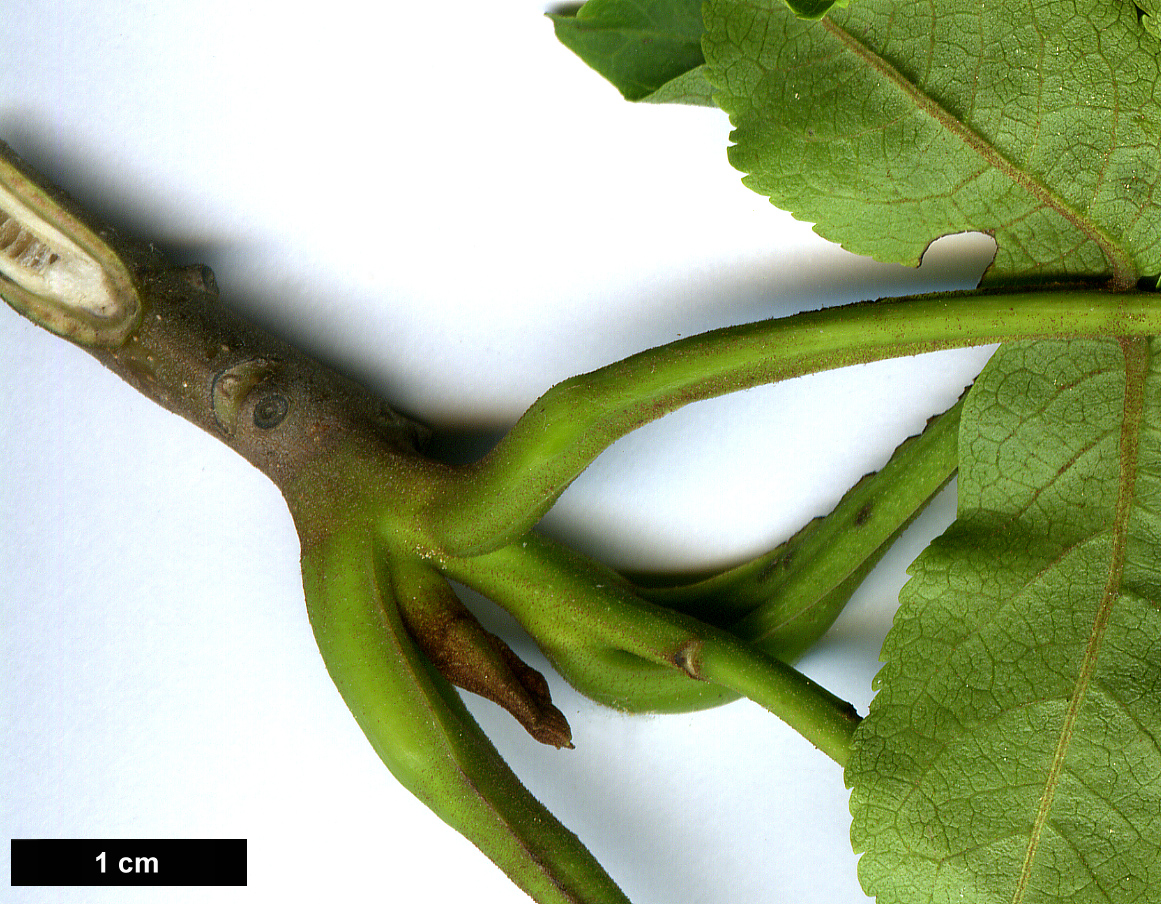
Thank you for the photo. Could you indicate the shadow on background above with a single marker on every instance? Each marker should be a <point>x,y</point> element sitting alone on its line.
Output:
<point>759,289</point>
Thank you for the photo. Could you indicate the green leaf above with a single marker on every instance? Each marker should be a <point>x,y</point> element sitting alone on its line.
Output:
<point>650,49</point>
<point>1011,754</point>
<point>893,123</point>
<point>640,45</point>
<point>1147,11</point>
<point>688,88</point>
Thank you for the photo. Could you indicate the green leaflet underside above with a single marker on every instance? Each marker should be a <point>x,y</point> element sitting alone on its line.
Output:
<point>1148,10</point>
<point>893,122</point>
<point>649,49</point>
<point>1011,754</point>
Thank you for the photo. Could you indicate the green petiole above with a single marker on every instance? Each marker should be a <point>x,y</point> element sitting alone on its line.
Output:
<point>783,601</point>
<point>420,727</point>
<point>564,431</point>
<point>583,616</point>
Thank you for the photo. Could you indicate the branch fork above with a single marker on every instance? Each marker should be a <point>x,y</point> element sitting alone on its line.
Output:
<point>383,528</point>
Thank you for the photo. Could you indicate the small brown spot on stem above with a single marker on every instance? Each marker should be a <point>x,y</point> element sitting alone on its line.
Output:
<point>688,658</point>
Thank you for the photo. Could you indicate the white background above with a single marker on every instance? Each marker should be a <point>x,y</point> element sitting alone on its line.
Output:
<point>443,201</point>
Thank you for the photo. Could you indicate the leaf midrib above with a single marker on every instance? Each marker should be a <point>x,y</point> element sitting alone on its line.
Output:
<point>1123,270</point>
<point>1136,354</point>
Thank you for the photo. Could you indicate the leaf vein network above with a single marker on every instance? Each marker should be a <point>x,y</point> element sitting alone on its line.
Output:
<point>1118,259</point>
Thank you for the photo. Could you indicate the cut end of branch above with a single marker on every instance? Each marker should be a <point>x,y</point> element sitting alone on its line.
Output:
<point>57,271</point>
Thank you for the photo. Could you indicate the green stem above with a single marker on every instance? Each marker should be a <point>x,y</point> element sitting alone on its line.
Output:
<point>622,650</point>
<point>825,720</point>
<point>507,492</point>
<point>420,727</point>
<point>783,601</point>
